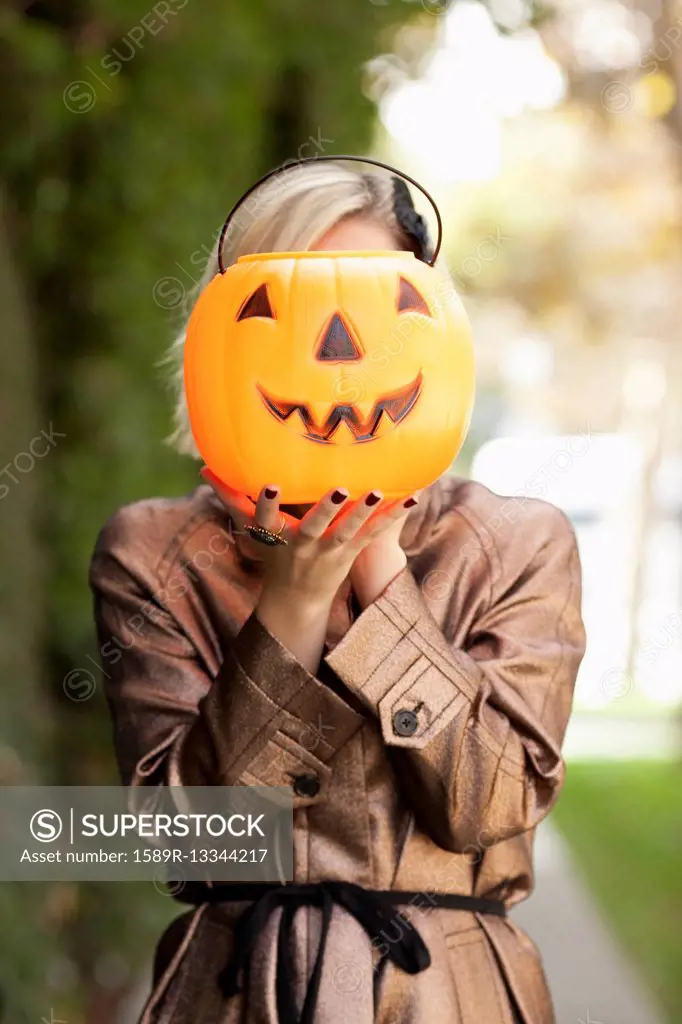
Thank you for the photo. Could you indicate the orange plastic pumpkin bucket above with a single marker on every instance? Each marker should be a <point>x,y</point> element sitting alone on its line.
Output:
<point>320,369</point>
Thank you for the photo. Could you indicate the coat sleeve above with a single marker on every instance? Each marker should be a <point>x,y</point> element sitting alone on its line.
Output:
<point>480,745</point>
<point>184,714</point>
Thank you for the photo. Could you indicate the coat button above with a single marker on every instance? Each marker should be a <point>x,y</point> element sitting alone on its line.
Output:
<point>306,785</point>
<point>405,723</point>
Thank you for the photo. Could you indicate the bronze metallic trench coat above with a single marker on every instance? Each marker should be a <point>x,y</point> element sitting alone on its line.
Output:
<point>481,633</point>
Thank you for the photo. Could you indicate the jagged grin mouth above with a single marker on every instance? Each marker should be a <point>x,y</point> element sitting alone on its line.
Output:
<point>396,406</point>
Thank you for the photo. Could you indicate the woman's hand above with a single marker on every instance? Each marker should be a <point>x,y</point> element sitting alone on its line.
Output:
<point>377,565</point>
<point>301,577</point>
<point>381,561</point>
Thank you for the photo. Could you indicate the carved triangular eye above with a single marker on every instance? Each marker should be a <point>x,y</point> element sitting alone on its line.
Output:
<point>258,304</point>
<point>410,298</point>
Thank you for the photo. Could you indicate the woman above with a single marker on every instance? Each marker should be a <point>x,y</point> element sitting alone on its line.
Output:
<point>406,668</point>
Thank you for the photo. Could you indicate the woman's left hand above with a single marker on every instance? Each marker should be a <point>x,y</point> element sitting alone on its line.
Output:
<point>379,563</point>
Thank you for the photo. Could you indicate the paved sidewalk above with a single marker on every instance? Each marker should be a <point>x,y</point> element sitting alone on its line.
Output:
<point>591,981</point>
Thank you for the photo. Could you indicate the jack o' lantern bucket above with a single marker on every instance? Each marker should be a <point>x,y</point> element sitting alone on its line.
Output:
<point>322,369</point>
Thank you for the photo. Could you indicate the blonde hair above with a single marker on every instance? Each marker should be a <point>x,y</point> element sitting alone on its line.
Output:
<point>290,212</point>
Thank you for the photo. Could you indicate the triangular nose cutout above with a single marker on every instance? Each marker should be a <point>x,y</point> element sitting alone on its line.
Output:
<point>336,342</point>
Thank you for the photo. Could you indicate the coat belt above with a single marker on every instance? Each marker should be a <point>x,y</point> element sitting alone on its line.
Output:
<point>373,909</point>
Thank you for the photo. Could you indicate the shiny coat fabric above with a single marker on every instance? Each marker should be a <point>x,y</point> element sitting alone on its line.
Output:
<point>480,637</point>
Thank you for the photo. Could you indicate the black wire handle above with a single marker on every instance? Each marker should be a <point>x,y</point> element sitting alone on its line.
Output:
<point>314,159</point>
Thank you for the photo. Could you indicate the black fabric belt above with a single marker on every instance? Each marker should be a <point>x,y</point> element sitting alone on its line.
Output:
<point>373,909</point>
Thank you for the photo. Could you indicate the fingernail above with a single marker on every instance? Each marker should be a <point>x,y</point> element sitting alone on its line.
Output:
<point>270,492</point>
<point>410,502</point>
<point>339,496</point>
<point>372,498</point>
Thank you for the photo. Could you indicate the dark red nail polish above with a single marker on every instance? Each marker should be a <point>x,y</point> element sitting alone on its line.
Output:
<point>372,498</point>
<point>410,502</point>
<point>338,497</point>
<point>270,493</point>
